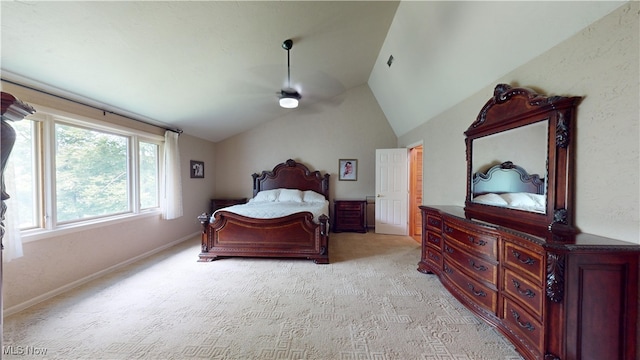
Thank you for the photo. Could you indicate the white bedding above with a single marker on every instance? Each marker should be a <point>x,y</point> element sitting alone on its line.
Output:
<point>271,204</point>
<point>522,201</point>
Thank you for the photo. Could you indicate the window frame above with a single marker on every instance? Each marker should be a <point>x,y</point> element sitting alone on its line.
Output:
<point>45,152</point>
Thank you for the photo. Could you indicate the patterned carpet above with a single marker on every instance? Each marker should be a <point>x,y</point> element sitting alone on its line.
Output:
<point>369,303</point>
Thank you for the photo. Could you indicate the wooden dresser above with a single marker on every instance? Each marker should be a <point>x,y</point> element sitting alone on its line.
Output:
<point>216,204</point>
<point>564,297</point>
<point>350,215</point>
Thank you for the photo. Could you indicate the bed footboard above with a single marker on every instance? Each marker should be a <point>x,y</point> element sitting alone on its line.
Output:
<point>293,236</point>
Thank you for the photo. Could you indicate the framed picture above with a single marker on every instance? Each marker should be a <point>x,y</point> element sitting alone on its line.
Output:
<point>197,169</point>
<point>348,169</point>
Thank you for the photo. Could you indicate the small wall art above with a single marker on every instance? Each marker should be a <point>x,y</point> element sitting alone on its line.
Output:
<point>197,169</point>
<point>347,169</point>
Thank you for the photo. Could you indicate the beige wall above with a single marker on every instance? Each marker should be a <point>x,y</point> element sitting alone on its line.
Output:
<point>54,263</point>
<point>600,64</point>
<point>351,126</point>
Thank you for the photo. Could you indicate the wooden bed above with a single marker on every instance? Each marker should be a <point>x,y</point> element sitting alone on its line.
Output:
<point>292,236</point>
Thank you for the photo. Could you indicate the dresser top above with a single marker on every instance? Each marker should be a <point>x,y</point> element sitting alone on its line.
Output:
<point>582,241</point>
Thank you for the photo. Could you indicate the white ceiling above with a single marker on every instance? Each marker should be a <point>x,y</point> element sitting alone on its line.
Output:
<point>213,68</point>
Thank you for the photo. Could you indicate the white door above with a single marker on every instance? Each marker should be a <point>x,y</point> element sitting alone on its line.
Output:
<point>392,191</point>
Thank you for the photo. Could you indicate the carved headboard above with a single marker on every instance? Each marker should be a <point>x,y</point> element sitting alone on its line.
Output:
<point>291,175</point>
<point>506,178</point>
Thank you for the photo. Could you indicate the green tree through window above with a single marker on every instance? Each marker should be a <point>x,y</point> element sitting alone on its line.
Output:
<point>91,173</point>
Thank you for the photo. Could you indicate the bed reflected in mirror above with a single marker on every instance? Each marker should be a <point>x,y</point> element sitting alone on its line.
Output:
<point>509,168</point>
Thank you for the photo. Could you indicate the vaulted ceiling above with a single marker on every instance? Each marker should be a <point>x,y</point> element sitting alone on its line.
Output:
<point>214,68</point>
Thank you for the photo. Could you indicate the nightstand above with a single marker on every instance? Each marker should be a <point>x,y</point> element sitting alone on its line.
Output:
<point>220,203</point>
<point>350,215</point>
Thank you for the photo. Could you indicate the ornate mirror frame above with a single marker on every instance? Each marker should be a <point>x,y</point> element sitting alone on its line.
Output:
<point>514,107</point>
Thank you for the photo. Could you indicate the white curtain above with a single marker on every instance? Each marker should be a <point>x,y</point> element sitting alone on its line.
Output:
<point>12,241</point>
<point>172,184</point>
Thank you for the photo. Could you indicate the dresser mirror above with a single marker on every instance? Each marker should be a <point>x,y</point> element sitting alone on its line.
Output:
<point>531,155</point>
<point>520,161</point>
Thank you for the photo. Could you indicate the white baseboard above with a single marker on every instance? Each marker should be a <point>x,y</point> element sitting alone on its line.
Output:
<point>48,295</point>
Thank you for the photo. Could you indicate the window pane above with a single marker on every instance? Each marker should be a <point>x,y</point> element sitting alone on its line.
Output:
<point>91,173</point>
<point>23,162</point>
<point>148,175</point>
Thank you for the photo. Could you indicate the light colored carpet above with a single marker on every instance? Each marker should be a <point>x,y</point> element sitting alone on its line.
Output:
<point>369,303</point>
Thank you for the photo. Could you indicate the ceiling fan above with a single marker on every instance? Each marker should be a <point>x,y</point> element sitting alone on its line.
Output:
<point>289,97</point>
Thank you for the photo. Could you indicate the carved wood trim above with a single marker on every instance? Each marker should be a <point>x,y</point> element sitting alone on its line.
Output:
<point>562,132</point>
<point>555,277</point>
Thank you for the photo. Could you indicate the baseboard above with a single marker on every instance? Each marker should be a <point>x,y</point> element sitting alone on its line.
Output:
<point>48,295</point>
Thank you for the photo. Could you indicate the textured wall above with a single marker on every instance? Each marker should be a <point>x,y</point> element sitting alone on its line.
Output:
<point>601,64</point>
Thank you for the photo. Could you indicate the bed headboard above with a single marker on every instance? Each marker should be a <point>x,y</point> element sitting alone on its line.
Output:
<point>507,178</point>
<point>291,175</point>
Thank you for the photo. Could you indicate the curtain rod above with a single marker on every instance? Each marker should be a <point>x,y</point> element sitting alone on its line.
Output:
<point>104,112</point>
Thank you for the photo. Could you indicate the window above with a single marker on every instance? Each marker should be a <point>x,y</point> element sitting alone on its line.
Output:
<point>94,171</point>
<point>149,175</point>
<point>25,167</point>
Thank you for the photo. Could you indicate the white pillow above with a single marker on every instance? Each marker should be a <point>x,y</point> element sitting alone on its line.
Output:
<point>312,196</point>
<point>266,195</point>
<point>490,199</point>
<point>540,200</point>
<point>290,195</point>
<point>519,200</point>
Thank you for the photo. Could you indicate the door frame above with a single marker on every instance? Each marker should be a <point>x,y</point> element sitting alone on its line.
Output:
<point>415,190</point>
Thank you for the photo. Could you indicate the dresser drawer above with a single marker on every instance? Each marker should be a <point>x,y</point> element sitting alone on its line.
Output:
<point>348,220</point>
<point>474,266</point>
<point>478,292</point>
<point>355,206</point>
<point>524,261</point>
<point>434,222</point>
<point>434,240</point>
<point>528,294</point>
<point>434,257</point>
<point>481,242</point>
<point>525,326</point>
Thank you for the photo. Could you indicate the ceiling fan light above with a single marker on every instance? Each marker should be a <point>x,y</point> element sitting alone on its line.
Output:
<point>288,102</point>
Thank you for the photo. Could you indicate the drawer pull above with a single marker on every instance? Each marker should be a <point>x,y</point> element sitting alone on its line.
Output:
<point>527,261</point>
<point>448,229</point>
<point>526,325</point>
<point>448,249</point>
<point>528,293</point>
<point>434,256</point>
<point>434,239</point>
<point>447,270</point>
<point>434,222</point>
<point>477,242</point>
<point>476,293</point>
<point>477,267</point>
